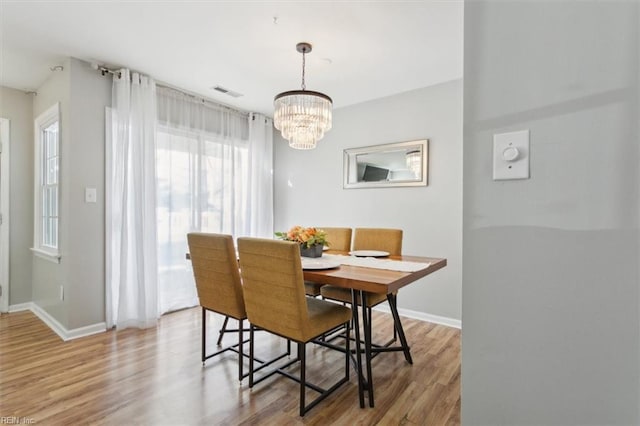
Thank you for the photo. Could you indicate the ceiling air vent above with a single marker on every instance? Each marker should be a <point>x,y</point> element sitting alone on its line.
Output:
<point>227,91</point>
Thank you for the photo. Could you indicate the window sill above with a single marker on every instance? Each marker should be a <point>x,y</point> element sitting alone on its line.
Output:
<point>51,257</point>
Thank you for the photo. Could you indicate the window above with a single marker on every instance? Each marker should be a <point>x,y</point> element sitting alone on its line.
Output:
<point>47,173</point>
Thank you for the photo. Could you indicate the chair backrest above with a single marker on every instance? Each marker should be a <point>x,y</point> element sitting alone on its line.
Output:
<point>215,268</point>
<point>339,238</point>
<point>273,286</point>
<point>389,240</point>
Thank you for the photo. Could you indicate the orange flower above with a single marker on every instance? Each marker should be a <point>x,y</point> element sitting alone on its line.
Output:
<point>307,237</point>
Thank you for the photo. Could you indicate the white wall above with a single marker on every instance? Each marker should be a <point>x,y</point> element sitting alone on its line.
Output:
<point>17,107</point>
<point>308,185</point>
<point>550,275</point>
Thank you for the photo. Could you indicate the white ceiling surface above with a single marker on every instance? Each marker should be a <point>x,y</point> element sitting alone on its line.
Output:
<point>361,50</point>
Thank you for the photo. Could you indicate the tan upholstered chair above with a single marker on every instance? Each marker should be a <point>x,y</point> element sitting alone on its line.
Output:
<point>389,240</point>
<point>275,301</point>
<point>215,268</point>
<point>339,239</point>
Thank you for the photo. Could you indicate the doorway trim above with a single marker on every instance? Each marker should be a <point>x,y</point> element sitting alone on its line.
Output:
<point>4,213</point>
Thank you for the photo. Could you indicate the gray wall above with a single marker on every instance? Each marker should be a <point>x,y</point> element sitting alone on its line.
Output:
<point>90,94</point>
<point>550,270</point>
<point>308,185</point>
<point>48,276</point>
<point>17,107</point>
<point>83,94</point>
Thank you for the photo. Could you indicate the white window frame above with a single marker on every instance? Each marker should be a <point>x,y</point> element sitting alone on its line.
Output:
<point>42,122</point>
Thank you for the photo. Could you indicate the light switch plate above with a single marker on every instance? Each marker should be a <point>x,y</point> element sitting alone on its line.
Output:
<point>511,155</point>
<point>90,195</point>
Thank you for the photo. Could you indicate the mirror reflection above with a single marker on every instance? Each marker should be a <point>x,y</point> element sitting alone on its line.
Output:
<point>396,164</point>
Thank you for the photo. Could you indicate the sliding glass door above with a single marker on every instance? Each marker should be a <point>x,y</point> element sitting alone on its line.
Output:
<point>202,186</point>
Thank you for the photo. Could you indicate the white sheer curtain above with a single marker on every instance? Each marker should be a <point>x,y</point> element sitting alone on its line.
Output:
<point>261,176</point>
<point>214,175</point>
<point>131,262</point>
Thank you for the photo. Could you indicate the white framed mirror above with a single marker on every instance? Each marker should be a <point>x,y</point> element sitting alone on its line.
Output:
<point>389,165</point>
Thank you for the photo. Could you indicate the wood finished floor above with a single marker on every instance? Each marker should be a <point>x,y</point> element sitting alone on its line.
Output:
<point>155,377</point>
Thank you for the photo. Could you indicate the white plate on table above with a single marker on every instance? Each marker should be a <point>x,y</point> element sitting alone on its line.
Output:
<point>369,253</point>
<point>318,263</point>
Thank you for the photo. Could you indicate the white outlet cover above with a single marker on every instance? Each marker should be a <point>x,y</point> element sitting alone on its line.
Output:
<point>511,155</point>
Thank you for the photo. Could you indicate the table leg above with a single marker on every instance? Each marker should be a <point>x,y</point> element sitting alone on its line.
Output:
<point>366,324</point>
<point>356,327</point>
<point>391,298</point>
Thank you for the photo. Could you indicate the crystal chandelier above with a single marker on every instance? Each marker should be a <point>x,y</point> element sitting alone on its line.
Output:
<point>302,116</point>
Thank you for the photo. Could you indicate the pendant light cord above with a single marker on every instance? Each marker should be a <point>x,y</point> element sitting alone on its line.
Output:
<point>304,51</point>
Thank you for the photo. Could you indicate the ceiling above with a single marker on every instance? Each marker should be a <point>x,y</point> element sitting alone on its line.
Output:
<point>361,50</point>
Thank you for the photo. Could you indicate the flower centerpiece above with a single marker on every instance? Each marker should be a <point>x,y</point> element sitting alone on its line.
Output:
<point>311,240</point>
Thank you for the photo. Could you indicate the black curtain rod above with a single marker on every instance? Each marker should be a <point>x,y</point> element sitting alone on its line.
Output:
<point>104,71</point>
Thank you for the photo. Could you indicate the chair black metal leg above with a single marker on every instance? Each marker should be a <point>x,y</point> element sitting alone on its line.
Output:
<point>347,352</point>
<point>204,333</point>
<point>301,378</point>
<point>302,349</point>
<point>240,348</point>
<point>356,328</point>
<point>366,324</point>
<point>398,326</point>
<point>251,355</point>
<point>223,329</point>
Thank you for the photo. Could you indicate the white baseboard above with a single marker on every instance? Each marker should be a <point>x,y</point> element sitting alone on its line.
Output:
<point>20,307</point>
<point>436,319</point>
<point>54,325</point>
<point>76,333</point>
<point>87,330</point>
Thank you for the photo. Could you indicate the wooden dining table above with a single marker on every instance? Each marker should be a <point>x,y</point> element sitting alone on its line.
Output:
<point>361,281</point>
